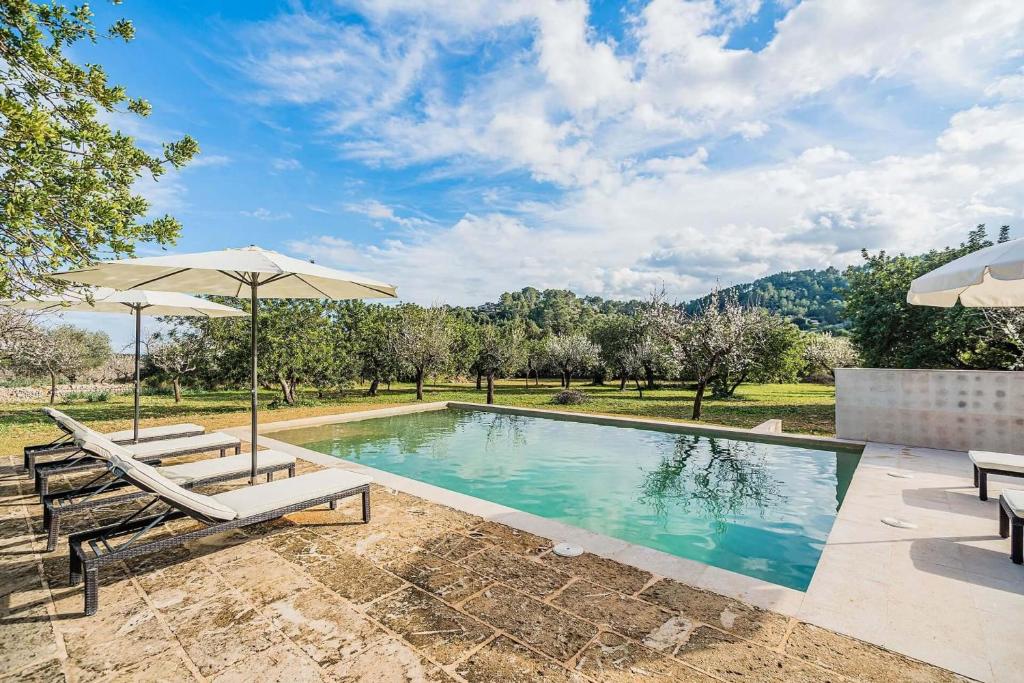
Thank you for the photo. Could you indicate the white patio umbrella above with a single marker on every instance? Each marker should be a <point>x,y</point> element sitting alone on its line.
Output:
<point>234,272</point>
<point>992,277</point>
<point>138,302</point>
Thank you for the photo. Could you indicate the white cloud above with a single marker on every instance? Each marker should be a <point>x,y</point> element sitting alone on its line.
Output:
<point>262,214</point>
<point>206,160</point>
<point>285,164</point>
<point>671,158</point>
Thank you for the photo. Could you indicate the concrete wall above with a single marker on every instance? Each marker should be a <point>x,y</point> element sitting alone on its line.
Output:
<point>950,409</point>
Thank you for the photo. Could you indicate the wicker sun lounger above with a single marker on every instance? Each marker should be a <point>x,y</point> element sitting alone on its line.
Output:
<point>187,475</point>
<point>150,452</point>
<point>1011,522</point>
<point>988,462</point>
<point>65,445</point>
<point>92,550</point>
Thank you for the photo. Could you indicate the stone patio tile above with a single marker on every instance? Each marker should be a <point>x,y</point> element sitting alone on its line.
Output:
<point>550,630</point>
<point>300,546</point>
<point>430,625</point>
<point>511,539</point>
<point>601,570</point>
<point>230,546</point>
<point>26,637</point>
<point>858,660</point>
<point>116,637</point>
<point>265,579</point>
<point>324,626</point>
<point>354,578</point>
<point>439,577</point>
<point>613,658</point>
<point>716,610</point>
<point>518,572</point>
<point>387,661</point>
<point>181,585</point>
<point>605,607</point>
<point>505,661</point>
<point>219,632</point>
<point>48,671</point>
<point>168,666</point>
<point>733,659</point>
<point>281,664</point>
<point>454,546</point>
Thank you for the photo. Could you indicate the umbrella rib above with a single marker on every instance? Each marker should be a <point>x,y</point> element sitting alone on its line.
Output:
<point>375,289</point>
<point>307,282</point>
<point>140,285</point>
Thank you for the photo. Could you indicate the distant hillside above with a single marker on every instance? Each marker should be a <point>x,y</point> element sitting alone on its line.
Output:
<point>813,299</point>
<point>810,298</point>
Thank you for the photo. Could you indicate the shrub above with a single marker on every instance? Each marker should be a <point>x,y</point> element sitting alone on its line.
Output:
<point>97,397</point>
<point>570,397</point>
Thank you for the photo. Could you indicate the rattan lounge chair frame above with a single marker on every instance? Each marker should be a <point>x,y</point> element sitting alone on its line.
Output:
<point>106,550</point>
<point>57,505</point>
<point>85,462</point>
<point>981,478</point>
<point>1013,526</point>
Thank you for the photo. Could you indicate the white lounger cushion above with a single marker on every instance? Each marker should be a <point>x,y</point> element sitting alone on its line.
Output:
<point>252,500</point>
<point>1016,500</point>
<point>989,460</point>
<point>148,478</point>
<point>161,432</point>
<point>202,442</point>
<point>188,472</point>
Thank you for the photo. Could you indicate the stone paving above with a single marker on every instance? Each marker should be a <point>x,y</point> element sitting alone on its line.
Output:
<point>422,593</point>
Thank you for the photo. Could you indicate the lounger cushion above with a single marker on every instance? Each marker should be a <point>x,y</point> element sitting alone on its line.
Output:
<point>252,500</point>
<point>1016,500</point>
<point>149,479</point>
<point>161,432</point>
<point>989,460</point>
<point>241,464</point>
<point>202,442</point>
<point>68,423</point>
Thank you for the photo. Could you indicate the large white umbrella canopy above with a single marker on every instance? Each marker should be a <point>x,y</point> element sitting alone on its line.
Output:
<point>138,302</point>
<point>251,271</point>
<point>992,277</point>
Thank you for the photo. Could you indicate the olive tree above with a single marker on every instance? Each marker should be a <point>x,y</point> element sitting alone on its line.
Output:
<point>423,341</point>
<point>176,354</point>
<point>825,352</point>
<point>377,346</point>
<point>499,349</point>
<point>571,354</point>
<point>1007,325</point>
<point>63,351</point>
<point>770,349</point>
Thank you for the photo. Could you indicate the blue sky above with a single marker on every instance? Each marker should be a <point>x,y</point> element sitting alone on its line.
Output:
<point>463,149</point>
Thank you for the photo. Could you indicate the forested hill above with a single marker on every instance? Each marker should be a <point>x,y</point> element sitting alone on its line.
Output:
<point>813,299</point>
<point>810,298</point>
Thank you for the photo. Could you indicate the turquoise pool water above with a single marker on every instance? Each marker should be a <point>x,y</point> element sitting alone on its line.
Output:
<point>759,509</point>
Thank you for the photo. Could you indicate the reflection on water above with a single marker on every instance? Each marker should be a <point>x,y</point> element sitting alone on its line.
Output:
<point>721,478</point>
<point>757,508</point>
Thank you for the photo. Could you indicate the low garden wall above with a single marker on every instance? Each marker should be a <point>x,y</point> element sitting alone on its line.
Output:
<point>42,394</point>
<point>951,409</point>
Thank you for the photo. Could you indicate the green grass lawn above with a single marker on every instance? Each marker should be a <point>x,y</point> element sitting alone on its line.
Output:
<point>807,408</point>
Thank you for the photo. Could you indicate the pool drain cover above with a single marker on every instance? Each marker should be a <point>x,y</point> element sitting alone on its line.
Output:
<point>898,523</point>
<point>901,475</point>
<point>567,550</point>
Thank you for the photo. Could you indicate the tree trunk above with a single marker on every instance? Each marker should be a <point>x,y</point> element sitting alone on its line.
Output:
<point>490,388</point>
<point>286,392</point>
<point>699,399</point>
<point>598,378</point>
<point>53,387</point>
<point>479,376</point>
<point>639,388</point>
<point>568,379</point>
<point>536,378</point>
<point>419,385</point>
<point>622,382</point>
<point>649,372</point>
<point>373,386</point>
<point>176,383</point>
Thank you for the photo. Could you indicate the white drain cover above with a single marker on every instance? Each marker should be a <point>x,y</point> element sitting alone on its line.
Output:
<point>901,475</point>
<point>567,550</point>
<point>898,523</point>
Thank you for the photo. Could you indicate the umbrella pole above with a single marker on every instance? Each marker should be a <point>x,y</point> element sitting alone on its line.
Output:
<point>252,342</point>
<point>138,341</point>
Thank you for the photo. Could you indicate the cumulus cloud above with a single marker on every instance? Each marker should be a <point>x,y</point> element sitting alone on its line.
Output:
<point>264,214</point>
<point>670,159</point>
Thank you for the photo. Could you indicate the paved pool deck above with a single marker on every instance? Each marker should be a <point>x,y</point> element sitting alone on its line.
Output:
<point>459,589</point>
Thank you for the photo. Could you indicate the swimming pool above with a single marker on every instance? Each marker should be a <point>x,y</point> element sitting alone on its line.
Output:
<point>760,509</point>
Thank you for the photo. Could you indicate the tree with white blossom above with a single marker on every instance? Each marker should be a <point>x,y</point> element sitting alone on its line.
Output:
<point>571,354</point>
